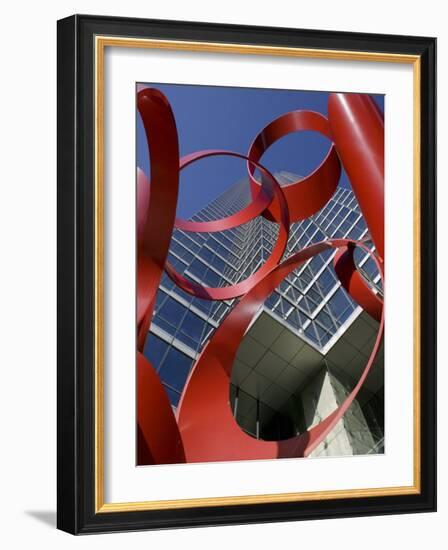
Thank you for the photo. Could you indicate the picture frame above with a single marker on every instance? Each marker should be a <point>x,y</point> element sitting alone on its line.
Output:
<point>82,195</point>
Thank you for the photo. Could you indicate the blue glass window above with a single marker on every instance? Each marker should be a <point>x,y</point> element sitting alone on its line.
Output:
<point>340,305</point>
<point>155,349</point>
<point>352,217</point>
<point>175,369</point>
<point>198,268</point>
<point>212,279</point>
<point>206,254</point>
<point>172,312</point>
<point>218,264</point>
<point>325,320</point>
<point>344,228</point>
<point>167,282</point>
<point>338,302</point>
<point>193,326</point>
<point>176,263</point>
<point>203,305</point>
<point>311,333</point>
<point>307,304</point>
<point>326,280</point>
<point>346,314</point>
<point>297,318</point>
<point>159,300</point>
<point>271,300</point>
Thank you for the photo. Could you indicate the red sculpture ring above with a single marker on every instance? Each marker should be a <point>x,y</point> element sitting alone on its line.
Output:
<point>156,224</point>
<point>263,199</point>
<point>308,195</point>
<point>238,289</point>
<point>355,284</point>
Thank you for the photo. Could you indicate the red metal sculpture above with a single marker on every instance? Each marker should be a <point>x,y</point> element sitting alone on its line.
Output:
<point>205,429</point>
<point>357,128</point>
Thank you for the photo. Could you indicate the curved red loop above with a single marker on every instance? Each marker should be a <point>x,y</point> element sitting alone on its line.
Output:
<point>159,437</point>
<point>217,436</point>
<point>262,200</point>
<point>156,227</point>
<point>308,195</point>
<point>355,284</point>
<point>238,289</point>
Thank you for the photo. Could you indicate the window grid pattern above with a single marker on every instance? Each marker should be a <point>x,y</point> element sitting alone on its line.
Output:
<point>310,300</point>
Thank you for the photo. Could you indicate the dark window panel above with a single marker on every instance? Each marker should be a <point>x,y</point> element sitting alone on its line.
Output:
<point>175,369</point>
<point>172,311</point>
<point>193,326</point>
<point>155,349</point>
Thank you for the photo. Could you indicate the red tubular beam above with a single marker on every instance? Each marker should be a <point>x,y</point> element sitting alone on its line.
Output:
<point>158,437</point>
<point>357,127</point>
<point>309,194</point>
<point>155,229</point>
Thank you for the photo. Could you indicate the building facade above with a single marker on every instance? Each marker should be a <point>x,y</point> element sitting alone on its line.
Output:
<point>310,341</point>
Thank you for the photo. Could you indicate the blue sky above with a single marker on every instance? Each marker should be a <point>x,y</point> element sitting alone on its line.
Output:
<point>209,117</point>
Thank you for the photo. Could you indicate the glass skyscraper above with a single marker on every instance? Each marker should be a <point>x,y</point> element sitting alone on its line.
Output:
<point>309,304</point>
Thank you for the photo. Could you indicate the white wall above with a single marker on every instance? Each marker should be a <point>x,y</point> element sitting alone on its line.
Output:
<point>28,270</point>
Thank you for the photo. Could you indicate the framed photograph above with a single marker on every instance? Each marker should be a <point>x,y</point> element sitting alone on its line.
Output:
<point>246,274</point>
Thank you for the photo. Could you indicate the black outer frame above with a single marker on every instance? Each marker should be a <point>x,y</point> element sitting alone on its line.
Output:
<point>75,385</point>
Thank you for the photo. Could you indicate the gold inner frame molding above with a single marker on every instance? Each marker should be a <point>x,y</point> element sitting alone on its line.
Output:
<point>100,44</point>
